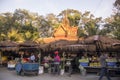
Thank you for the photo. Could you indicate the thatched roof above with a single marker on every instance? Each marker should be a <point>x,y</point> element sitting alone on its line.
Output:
<point>55,45</point>
<point>44,47</point>
<point>8,46</point>
<point>88,44</point>
<point>106,42</point>
<point>80,47</point>
<point>116,44</point>
<point>116,47</point>
<point>103,39</point>
<point>90,48</point>
<point>28,45</point>
<point>59,44</point>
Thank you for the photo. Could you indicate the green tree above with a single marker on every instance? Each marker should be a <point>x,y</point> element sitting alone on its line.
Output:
<point>113,22</point>
<point>89,25</point>
<point>29,32</point>
<point>114,26</point>
<point>13,35</point>
<point>6,22</point>
<point>73,16</point>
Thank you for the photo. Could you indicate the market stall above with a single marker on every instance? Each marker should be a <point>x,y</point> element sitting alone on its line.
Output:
<point>94,46</point>
<point>8,52</point>
<point>30,59</point>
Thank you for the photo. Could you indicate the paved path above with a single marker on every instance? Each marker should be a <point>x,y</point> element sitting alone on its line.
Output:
<point>6,74</point>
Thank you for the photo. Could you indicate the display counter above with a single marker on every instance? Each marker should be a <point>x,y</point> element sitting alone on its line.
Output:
<point>92,69</point>
<point>29,68</point>
<point>113,71</point>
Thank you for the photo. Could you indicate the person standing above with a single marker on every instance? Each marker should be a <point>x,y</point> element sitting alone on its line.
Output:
<point>103,71</point>
<point>56,63</point>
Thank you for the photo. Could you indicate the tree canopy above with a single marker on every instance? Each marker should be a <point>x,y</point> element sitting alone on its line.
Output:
<point>22,25</point>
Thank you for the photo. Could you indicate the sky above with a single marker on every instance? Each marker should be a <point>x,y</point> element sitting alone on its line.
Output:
<point>99,8</point>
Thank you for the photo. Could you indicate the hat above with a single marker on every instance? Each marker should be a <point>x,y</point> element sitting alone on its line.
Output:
<point>56,52</point>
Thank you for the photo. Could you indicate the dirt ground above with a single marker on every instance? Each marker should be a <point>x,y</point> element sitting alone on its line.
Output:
<point>6,74</point>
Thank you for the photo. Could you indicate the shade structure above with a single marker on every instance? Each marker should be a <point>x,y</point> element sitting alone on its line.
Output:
<point>59,44</point>
<point>104,41</point>
<point>116,47</point>
<point>88,44</point>
<point>29,45</point>
<point>8,46</point>
<point>80,47</point>
<point>44,47</point>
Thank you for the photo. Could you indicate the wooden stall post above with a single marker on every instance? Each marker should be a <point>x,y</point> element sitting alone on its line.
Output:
<point>41,70</point>
<point>63,65</point>
<point>39,56</point>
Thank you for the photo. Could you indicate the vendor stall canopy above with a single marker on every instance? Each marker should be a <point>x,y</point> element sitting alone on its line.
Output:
<point>58,44</point>
<point>87,44</point>
<point>8,46</point>
<point>14,46</point>
<point>108,44</point>
<point>29,45</point>
<point>103,39</point>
